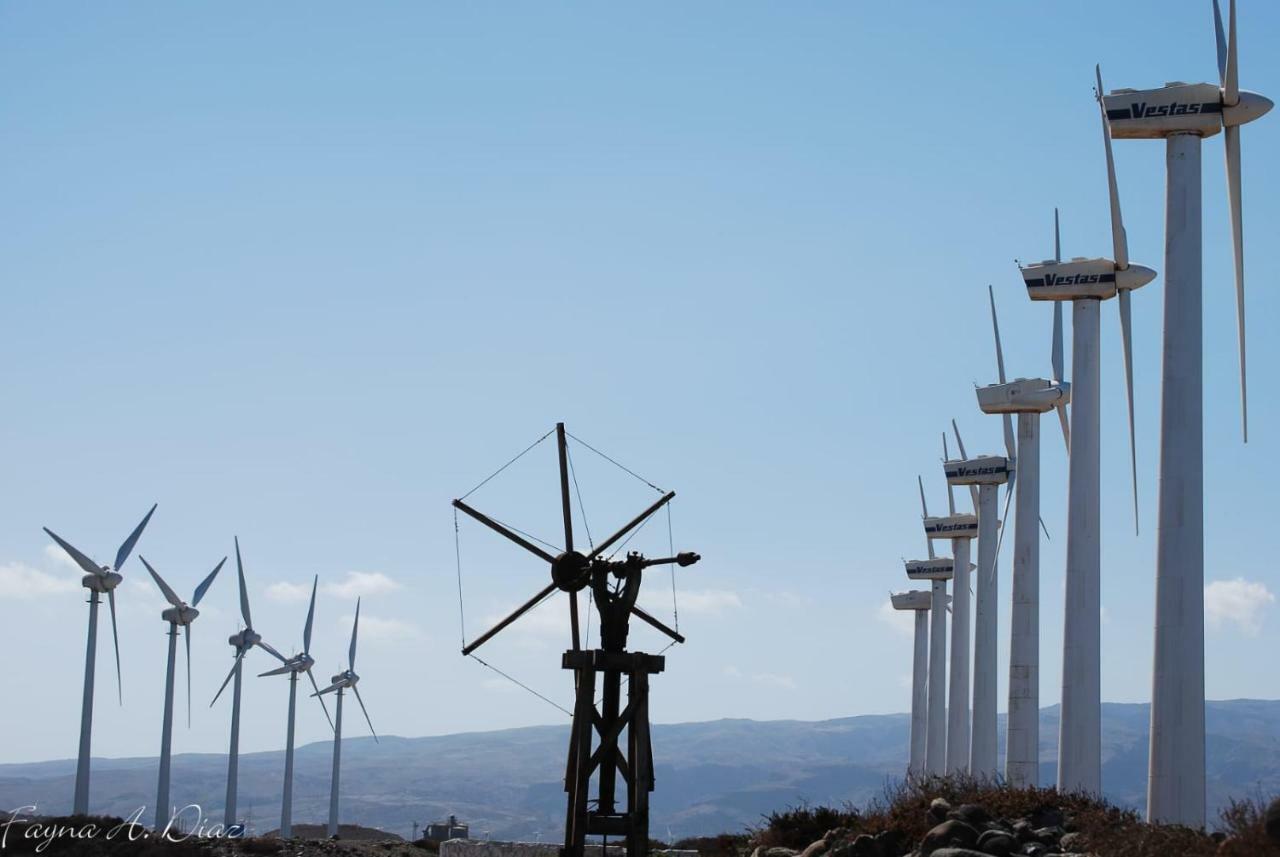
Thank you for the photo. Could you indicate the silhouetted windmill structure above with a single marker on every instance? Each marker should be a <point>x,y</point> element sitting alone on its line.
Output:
<point>595,738</point>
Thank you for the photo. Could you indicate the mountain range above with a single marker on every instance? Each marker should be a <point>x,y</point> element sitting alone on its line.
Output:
<point>712,777</point>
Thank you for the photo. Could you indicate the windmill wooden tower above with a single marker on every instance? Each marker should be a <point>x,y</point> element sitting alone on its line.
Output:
<point>596,742</point>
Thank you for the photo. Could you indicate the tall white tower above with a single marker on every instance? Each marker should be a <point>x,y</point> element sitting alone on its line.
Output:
<point>936,570</point>
<point>918,601</point>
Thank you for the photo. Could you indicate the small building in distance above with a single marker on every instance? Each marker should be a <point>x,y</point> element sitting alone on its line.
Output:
<point>443,831</point>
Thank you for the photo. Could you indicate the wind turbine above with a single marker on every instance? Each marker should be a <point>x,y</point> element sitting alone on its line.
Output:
<point>984,475</point>
<point>178,613</point>
<point>1028,398</point>
<point>1086,283</point>
<point>242,643</point>
<point>97,579</point>
<point>937,570</point>
<point>1182,114</point>
<point>301,663</point>
<point>960,529</point>
<point>340,682</point>
<point>919,601</point>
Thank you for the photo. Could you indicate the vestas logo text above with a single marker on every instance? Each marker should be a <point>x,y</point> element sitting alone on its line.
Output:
<point>985,470</point>
<point>1077,279</point>
<point>950,528</point>
<point>1143,110</point>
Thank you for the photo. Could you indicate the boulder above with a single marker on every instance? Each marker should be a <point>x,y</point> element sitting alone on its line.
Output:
<point>957,852</point>
<point>1048,835</point>
<point>997,843</point>
<point>816,849</point>
<point>1047,816</point>
<point>948,834</point>
<point>1071,842</point>
<point>1034,849</point>
<point>938,809</point>
<point>972,814</point>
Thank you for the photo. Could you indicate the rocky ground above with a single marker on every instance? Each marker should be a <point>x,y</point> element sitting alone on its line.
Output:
<point>949,818</point>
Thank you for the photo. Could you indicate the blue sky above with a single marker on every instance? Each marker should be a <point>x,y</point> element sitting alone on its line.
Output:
<point>303,273</point>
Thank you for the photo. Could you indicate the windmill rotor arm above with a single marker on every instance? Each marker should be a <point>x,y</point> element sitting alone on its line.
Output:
<point>511,617</point>
<point>356,691</point>
<point>321,698</point>
<point>632,524</point>
<point>269,649</point>
<point>503,531</point>
<point>81,560</point>
<point>640,614</point>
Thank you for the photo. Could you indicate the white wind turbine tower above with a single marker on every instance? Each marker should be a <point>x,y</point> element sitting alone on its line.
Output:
<point>1086,283</point>
<point>97,579</point>
<point>937,570</point>
<point>1182,114</point>
<point>1028,398</point>
<point>988,473</point>
<point>242,643</point>
<point>295,665</point>
<point>918,601</point>
<point>960,529</point>
<point>180,613</point>
<point>340,682</point>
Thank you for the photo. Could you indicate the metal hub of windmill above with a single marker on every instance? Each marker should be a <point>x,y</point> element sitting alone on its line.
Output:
<point>596,737</point>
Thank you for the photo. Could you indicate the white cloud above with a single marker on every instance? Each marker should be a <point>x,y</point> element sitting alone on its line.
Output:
<point>360,583</point>
<point>288,593</point>
<point>711,602</point>
<point>1237,602</point>
<point>23,581</point>
<point>901,621</point>
<point>55,555</point>
<point>377,628</point>
<point>767,679</point>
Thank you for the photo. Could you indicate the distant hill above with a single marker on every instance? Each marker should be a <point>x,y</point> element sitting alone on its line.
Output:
<point>711,777</point>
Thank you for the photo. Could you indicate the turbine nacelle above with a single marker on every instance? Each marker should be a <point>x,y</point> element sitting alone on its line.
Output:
<point>951,527</point>
<point>939,568</point>
<point>346,678</point>
<point>104,581</point>
<point>1082,279</point>
<point>182,615</point>
<point>983,470</point>
<point>245,639</point>
<point>1023,395</point>
<point>915,599</point>
<point>1179,108</point>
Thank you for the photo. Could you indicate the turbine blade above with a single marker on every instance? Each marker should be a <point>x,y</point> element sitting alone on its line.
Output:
<point>1119,240</point>
<point>1057,238</point>
<point>186,632</point>
<point>330,689</point>
<point>1055,355</point>
<point>225,681</point>
<point>1066,425</point>
<point>951,493</point>
<point>973,489</point>
<point>356,691</point>
<point>169,594</point>
<point>1004,517</point>
<point>127,547</point>
<point>1010,445</point>
<point>1222,44</point>
<point>1046,530</point>
<point>311,615</point>
<point>995,326</point>
<point>276,671</point>
<point>115,638</point>
<point>81,560</point>
<point>355,629</point>
<point>1231,135</point>
<point>1126,334</point>
<point>317,695</point>
<point>207,582</point>
<point>269,649</point>
<point>244,593</point>
<point>924,507</point>
<point>1231,77</point>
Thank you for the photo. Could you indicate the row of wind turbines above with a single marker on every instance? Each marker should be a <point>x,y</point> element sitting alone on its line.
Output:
<point>104,579</point>
<point>945,736</point>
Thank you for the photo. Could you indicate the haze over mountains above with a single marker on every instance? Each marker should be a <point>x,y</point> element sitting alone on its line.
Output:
<point>711,777</point>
